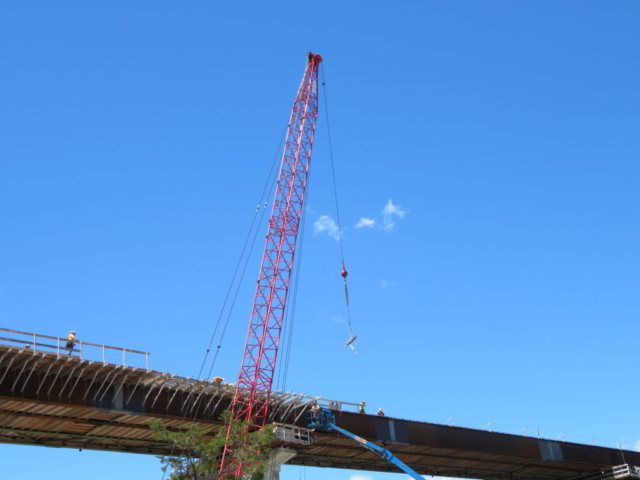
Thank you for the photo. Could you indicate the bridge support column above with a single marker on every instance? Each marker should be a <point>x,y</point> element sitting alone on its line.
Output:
<point>277,458</point>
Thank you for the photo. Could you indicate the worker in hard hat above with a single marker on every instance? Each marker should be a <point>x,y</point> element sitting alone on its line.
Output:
<point>218,380</point>
<point>380,412</point>
<point>71,339</point>
<point>361,407</point>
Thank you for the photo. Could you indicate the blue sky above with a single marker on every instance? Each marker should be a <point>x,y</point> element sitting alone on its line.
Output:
<point>486,158</point>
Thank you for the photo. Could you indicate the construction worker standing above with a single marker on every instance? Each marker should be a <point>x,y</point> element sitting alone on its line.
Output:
<point>380,412</point>
<point>361,407</point>
<point>71,339</point>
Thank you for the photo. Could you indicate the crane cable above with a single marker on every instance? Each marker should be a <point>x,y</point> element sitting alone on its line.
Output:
<point>270,181</point>
<point>266,188</point>
<point>283,366</point>
<point>235,296</point>
<point>344,272</point>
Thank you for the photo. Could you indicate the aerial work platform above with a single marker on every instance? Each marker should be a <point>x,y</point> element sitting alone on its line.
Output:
<point>49,398</point>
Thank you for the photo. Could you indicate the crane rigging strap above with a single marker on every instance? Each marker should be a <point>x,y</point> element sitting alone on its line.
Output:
<point>346,288</point>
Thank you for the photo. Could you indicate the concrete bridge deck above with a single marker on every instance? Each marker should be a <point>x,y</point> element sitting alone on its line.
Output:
<point>48,398</point>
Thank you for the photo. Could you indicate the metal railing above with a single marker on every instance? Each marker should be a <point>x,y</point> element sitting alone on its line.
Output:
<point>620,471</point>
<point>36,343</point>
<point>291,433</point>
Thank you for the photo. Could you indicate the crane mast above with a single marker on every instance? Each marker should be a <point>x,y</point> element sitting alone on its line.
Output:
<point>253,389</point>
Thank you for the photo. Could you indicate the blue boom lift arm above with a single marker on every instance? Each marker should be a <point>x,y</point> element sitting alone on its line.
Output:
<point>323,420</point>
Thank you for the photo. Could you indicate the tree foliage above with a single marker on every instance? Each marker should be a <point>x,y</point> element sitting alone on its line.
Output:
<point>197,455</point>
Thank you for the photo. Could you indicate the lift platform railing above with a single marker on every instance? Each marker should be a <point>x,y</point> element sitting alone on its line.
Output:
<point>40,343</point>
<point>625,471</point>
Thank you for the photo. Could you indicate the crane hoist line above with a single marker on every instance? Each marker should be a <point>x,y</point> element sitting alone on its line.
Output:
<point>253,388</point>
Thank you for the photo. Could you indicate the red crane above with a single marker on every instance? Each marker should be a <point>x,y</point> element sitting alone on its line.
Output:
<point>253,389</point>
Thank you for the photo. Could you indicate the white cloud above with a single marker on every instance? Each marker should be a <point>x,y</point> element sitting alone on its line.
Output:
<point>391,213</point>
<point>366,222</point>
<point>337,319</point>
<point>326,224</point>
<point>360,477</point>
<point>386,283</point>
